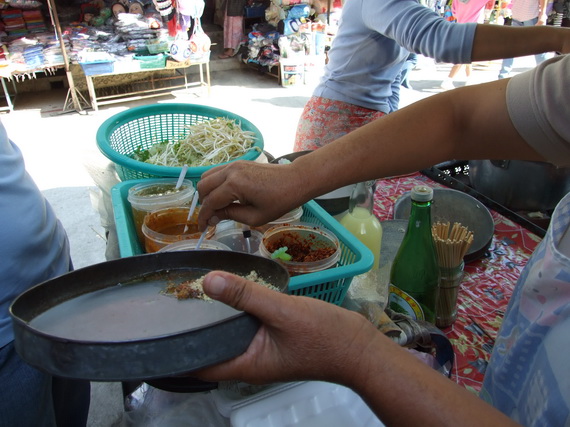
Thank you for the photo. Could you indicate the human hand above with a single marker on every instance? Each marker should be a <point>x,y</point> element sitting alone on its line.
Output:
<point>300,338</point>
<point>247,192</point>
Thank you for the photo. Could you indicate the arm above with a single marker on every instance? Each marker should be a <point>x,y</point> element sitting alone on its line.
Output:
<point>500,41</point>
<point>405,141</point>
<point>307,339</point>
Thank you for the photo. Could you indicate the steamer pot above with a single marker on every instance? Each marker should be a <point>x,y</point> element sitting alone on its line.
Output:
<point>520,185</point>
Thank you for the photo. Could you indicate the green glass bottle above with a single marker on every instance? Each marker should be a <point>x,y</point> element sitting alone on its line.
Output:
<point>415,272</point>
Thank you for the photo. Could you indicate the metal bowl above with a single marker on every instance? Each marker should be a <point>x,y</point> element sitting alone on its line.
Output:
<point>455,206</point>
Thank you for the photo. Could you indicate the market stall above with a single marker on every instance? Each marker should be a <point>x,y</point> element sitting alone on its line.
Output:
<point>137,40</point>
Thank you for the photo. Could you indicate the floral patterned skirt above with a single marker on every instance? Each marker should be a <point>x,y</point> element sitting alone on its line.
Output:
<point>323,120</point>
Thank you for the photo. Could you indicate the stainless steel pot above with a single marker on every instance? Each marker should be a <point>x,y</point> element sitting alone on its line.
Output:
<point>520,185</point>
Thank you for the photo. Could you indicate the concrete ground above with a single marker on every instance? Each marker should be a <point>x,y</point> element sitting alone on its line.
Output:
<point>62,156</point>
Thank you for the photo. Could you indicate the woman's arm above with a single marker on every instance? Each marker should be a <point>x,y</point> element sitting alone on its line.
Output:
<point>306,339</point>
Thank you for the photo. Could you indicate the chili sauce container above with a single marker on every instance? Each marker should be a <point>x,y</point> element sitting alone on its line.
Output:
<point>311,248</point>
<point>157,194</point>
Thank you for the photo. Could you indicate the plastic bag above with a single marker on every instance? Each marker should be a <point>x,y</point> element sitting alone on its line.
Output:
<point>148,406</point>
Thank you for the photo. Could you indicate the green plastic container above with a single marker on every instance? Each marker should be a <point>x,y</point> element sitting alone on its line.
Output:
<point>151,61</point>
<point>120,135</point>
<point>328,285</point>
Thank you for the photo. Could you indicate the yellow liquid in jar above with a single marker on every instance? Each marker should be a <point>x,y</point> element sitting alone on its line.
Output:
<point>366,228</point>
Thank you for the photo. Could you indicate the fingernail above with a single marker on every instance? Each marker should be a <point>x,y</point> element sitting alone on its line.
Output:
<point>216,285</point>
<point>214,220</point>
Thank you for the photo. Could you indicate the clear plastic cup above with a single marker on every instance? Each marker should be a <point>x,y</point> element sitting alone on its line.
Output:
<point>188,245</point>
<point>165,226</point>
<point>234,238</point>
<point>307,238</point>
<point>157,194</point>
<point>291,217</point>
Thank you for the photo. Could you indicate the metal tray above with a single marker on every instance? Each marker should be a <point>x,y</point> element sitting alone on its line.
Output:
<point>455,206</point>
<point>112,322</point>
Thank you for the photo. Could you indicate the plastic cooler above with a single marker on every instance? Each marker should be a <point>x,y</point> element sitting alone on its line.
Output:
<point>329,285</point>
<point>141,127</point>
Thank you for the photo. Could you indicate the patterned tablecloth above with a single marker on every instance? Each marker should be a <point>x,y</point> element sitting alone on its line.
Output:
<point>486,287</point>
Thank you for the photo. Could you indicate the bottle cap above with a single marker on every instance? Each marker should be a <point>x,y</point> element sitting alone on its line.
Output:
<point>422,193</point>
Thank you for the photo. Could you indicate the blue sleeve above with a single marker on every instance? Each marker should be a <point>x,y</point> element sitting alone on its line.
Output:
<point>420,30</point>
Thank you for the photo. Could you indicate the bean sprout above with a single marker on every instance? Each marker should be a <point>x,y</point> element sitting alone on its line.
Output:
<point>211,142</point>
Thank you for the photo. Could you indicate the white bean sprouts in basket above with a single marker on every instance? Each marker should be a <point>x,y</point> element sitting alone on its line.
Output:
<point>211,142</point>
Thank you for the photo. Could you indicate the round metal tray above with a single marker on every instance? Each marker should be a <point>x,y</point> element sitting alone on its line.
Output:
<point>455,206</point>
<point>112,322</point>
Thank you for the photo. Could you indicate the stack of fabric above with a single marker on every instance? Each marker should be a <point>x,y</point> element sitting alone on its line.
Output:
<point>14,22</point>
<point>34,21</point>
<point>34,56</point>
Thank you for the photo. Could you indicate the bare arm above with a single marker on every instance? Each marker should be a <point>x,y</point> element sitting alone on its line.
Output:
<point>466,123</point>
<point>307,339</point>
<point>500,41</point>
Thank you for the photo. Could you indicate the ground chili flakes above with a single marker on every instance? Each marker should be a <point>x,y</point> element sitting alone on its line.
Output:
<point>302,249</point>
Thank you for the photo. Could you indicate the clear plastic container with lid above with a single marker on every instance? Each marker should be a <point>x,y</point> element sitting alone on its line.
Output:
<point>293,216</point>
<point>311,248</point>
<point>235,239</point>
<point>165,226</point>
<point>189,245</point>
<point>157,194</point>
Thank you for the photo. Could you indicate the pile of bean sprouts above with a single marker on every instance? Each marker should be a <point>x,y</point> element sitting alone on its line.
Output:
<point>211,142</point>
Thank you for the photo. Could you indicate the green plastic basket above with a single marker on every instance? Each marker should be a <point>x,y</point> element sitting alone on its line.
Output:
<point>328,285</point>
<point>151,61</point>
<point>119,136</point>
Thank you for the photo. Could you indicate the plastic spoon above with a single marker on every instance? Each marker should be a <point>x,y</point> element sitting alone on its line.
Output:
<point>181,177</point>
<point>201,239</point>
<point>191,211</point>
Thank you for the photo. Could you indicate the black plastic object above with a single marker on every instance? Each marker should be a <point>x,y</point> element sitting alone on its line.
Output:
<point>112,322</point>
<point>455,206</point>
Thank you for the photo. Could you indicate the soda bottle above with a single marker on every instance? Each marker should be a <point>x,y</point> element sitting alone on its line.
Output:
<point>415,272</point>
<point>361,221</point>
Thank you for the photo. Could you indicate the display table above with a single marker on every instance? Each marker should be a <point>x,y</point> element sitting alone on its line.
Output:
<point>179,71</point>
<point>13,74</point>
<point>485,289</point>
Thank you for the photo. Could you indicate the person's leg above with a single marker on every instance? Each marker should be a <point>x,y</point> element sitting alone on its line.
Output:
<point>71,400</point>
<point>26,397</point>
<point>507,65</point>
<point>447,83</point>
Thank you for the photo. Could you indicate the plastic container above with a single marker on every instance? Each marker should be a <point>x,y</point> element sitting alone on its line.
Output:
<point>165,226</point>
<point>157,194</point>
<point>311,404</point>
<point>305,236</point>
<point>292,71</point>
<point>188,245</point>
<point>327,285</point>
<point>151,61</point>
<point>141,127</point>
<point>235,240</point>
<point>289,218</point>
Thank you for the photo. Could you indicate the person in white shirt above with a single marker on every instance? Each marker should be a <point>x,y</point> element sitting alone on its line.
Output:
<point>527,380</point>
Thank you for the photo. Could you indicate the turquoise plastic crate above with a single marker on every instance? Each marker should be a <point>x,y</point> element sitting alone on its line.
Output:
<point>120,135</point>
<point>329,285</point>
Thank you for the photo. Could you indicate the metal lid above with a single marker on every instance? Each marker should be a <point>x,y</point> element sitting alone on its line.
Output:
<point>422,193</point>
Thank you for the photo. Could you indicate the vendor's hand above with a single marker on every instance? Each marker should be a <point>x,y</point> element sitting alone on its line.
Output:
<point>247,192</point>
<point>300,338</point>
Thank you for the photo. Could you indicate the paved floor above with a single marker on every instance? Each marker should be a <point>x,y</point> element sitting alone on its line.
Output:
<point>63,159</point>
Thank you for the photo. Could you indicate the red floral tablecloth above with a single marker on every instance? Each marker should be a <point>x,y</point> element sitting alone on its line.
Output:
<point>486,287</point>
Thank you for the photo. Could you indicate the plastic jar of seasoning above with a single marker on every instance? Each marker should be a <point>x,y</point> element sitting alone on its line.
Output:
<point>165,226</point>
<point>157,194</point>
<point>311,248</point>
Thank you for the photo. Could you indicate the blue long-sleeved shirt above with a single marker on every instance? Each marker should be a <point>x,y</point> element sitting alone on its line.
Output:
<point>373,41</point>
<point>33,243</point>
